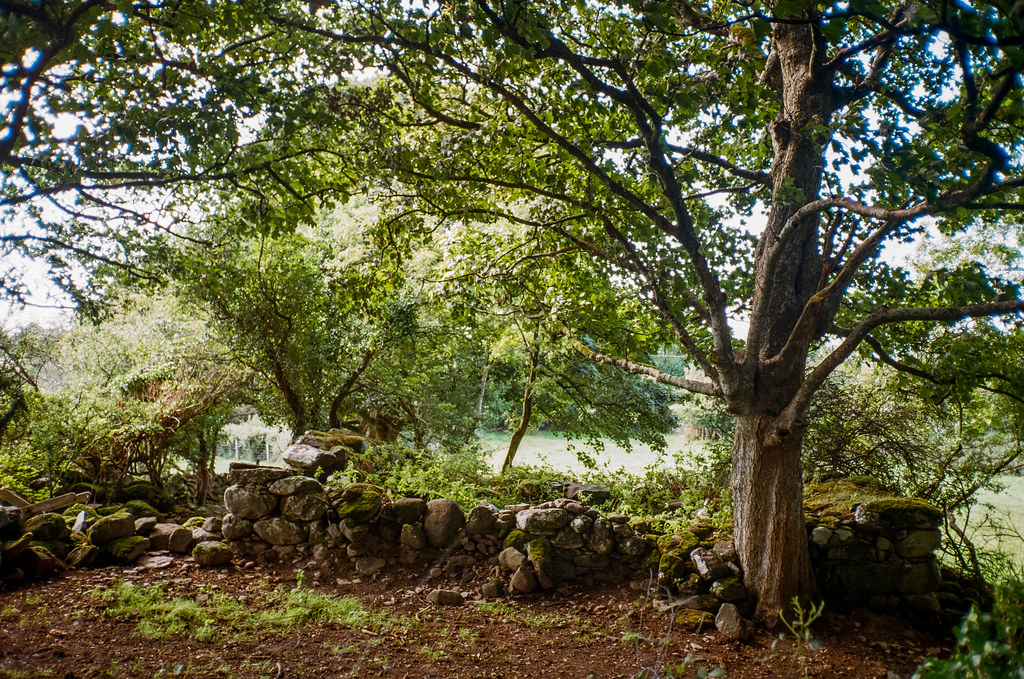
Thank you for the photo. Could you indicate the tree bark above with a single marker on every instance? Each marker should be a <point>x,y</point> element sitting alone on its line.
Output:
<point>771,538</point>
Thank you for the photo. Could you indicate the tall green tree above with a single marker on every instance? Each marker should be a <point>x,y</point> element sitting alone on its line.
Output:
<point>717,161</point>
<point>722,161</point>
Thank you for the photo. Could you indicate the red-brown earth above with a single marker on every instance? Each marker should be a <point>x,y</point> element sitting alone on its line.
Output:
<point>62,627</point>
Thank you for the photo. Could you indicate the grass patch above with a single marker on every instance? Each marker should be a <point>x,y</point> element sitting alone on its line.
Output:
<point>158,614</point>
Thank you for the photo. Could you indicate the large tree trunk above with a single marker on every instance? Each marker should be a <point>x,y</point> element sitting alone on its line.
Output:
<point>771,537</point>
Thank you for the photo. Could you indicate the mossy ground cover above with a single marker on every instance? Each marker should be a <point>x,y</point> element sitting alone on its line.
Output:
<point>214,614</point>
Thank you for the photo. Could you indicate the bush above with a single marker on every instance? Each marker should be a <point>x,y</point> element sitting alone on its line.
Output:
<point>989,645</point>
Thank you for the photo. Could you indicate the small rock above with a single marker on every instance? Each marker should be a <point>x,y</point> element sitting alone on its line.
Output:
<point>213,525</point>
<point>511,559</point>
<point>413,537</point>
<point>731,624</point>
<point>493,589</point>
<point>172,537</point>
<point>82,520</point>
<point>370,565</point>
<point>48,526</point>
<point>726,550</point>
<point>523,581</point>
<point>445,597</point>
<point>142,526</point>
<point>212,553</point>
<point>708,564</point>
<point>481,521</point>
<point>203,535</point>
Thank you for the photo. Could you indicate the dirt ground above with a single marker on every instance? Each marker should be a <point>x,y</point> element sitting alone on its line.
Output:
<point>62,628</point>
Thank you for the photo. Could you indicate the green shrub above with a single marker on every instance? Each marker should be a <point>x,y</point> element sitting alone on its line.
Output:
<point>989,645</point>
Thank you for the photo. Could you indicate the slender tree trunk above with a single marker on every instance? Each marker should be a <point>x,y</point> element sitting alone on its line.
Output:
<point>480,394</point>
<point>771,538</point>
<point>527,414</point>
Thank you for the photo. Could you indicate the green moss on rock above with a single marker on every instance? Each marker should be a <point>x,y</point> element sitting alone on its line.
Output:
<point>109,509</point>
<point>679,544</point>
<point>46,526</point>
<point>58,548</point>
<point>359,502</point>
<point>195,522</point>
<point>141,508</point>
<point>125,549</point>
<point>518,539</point>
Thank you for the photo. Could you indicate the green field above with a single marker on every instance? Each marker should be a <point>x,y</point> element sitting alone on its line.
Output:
<point>554,451</point>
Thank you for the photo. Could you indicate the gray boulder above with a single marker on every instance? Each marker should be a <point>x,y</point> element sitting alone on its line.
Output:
<point>481,521</point>
<point>308,507</point>
<point>247,502</point>
<point>296,485</point>
<point>310,458</point>
<point>542,520</point>
<point>235,528</point>
<point>442,522</point>
<point>413,536</point>
<point>278,531</point>
<point>409,509</point>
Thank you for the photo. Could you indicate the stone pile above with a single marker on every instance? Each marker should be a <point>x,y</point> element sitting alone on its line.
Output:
<point>274,514</point>
<point>881,554</point>
<point>83,535</point>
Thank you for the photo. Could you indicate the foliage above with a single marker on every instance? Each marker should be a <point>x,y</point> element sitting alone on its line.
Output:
<point>133,392</point>
<point>990,645</point>
<point>679,166</point>
<point>800,627</point>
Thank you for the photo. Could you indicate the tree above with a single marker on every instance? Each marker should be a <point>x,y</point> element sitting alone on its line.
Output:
<point>721,161</point>
<point>716,162</point>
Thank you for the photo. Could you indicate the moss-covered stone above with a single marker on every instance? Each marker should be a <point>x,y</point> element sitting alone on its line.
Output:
<point>212,553</point>
<point>83,556</point>
<point>46,526</point>
<point>74,510</point>
<point>897,509</point>
<point>673,569</point>
<point>141,508</point>
<point>113,527</point>
<point>37,561</point>
<point>125,550</point>
<point>195,522</point>
<point>109,509</point>
<point>679,544</point>
<point>538,551</point>
<point>518,539</point>
<point>359,502</point>
<point>58,548</point>
<point>692,620</point>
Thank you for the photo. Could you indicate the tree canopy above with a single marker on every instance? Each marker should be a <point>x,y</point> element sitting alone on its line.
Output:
<point>723,176</point>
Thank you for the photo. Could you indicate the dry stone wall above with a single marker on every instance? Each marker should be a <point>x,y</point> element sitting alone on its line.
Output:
<point>882,554</point>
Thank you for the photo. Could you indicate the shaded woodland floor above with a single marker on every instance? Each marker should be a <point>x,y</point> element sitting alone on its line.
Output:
<point>176,619</point>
